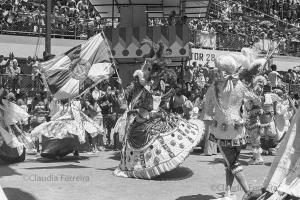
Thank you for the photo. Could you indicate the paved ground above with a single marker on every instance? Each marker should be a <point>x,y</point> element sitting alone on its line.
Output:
<point>90,178</point>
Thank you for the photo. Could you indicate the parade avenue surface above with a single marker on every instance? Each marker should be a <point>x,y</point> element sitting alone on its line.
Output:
<point>90,178</point>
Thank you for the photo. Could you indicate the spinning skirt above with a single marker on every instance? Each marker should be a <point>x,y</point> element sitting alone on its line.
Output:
<point>157,146</point>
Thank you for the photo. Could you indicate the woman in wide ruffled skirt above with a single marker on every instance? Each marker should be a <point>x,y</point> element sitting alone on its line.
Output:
<point>155,141</point>
<point>65,132</point>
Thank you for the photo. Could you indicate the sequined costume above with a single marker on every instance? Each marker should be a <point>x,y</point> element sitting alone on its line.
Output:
<point>256,118</point>
<point>155,141</point>
<point>65,132</point>
<point>224,109</point>
<point>254,129</point>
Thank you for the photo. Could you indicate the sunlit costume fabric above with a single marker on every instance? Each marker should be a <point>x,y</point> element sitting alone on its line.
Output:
<point>12,148</point>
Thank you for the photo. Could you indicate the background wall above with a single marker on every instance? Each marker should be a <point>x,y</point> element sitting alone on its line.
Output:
<point>24,46</point>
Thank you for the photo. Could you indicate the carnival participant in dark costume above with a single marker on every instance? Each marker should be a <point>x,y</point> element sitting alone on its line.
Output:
<point>155,141</point>
<point>223,102</point>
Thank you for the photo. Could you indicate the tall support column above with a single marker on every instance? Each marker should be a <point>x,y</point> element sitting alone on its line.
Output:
<point>48,27</point>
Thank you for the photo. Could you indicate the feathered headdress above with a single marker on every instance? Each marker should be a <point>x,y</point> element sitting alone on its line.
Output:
<point>260,79</point>
<point>256,67</point>
<point>139,73</point>
<point>242,61</point>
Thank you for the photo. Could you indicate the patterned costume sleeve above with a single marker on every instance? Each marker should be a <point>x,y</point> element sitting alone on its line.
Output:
<point>281,108</point>
<point>249,95</point>
<point>275,98</point>
<point>209,104</point>
<point>146,101</point>
<point>128,92</point>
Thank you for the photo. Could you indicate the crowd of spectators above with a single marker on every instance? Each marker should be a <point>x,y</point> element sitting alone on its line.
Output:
<point>237,24</point>
<point>69,18</point>
<point>196,79</point>
<point>17,77</point>
<point>234,23</point>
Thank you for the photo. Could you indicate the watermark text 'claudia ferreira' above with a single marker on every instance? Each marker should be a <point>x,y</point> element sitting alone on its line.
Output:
<point>234,188</point>
<point>55,178</point>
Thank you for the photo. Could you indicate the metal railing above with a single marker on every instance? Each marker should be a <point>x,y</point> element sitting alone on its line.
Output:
<point>23,82</point>
<point>235,42</point>
<point>69,27</point>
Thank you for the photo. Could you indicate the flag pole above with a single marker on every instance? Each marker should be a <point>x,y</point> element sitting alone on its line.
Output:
<point>87,89</point>
<point>114,66</point>
<point>268,57</point>
<point>112,58</point>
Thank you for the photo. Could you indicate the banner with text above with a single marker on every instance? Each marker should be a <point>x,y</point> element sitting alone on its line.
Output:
<point>206,56</point>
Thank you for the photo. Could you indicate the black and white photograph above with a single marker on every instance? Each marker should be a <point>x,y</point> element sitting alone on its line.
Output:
<point>149,99</point>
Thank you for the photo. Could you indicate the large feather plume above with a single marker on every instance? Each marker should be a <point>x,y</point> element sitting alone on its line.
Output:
<point>255,67</point>
<point>250,54</point>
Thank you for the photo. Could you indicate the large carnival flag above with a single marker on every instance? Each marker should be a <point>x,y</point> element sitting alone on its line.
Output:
<point>70,74</point>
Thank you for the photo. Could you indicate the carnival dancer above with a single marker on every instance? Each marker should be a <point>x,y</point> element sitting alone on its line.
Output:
<point>254,127</point>
<point>66,131</point>
<point>269,141</point>
<point>93,110</point>
<point>12,148</point>
<point>155,142</point>
<point>223,102</point>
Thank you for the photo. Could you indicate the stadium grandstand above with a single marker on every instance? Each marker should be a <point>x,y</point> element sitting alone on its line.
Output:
<point>236,23</point>
<point>213,24</point>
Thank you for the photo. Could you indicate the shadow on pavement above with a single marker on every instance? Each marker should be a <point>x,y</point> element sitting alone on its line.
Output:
<point>108,169</point>
<point>5,170</point>
<point>215,161</point>
<point>71,166</point>
<point>115,156</point>
<point>196,197</point>
<point>17,194</point>
<point>197,152</point>
<point>245,156</point>
<point>180,173</point>
<point>64,159</point>
<point>268,164</point>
